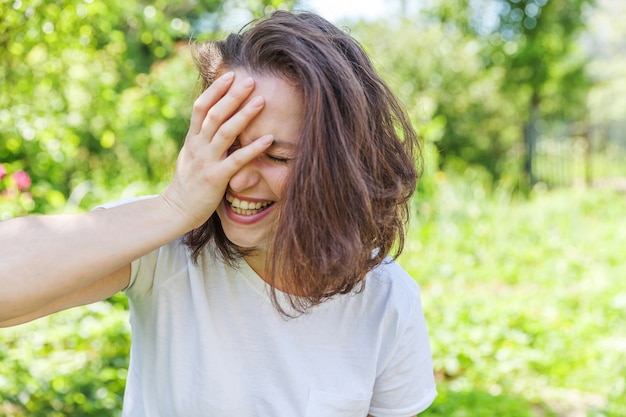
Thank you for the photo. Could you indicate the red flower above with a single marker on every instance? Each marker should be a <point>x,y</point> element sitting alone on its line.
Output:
<point>3,172</point>
<point>22,180</point>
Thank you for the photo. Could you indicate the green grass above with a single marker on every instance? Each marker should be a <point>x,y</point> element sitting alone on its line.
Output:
<point>525,300</point>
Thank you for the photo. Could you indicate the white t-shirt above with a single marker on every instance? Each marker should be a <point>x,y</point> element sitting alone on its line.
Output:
<point>207,341</point>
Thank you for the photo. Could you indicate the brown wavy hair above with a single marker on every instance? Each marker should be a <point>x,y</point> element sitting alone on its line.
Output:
<point>346,204</point>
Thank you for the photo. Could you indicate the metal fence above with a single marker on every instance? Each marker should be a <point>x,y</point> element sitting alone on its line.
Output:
<point>591,155</point>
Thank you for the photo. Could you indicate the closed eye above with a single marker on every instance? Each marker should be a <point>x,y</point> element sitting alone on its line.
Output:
<point>277,159</point>
<point>271,157</point>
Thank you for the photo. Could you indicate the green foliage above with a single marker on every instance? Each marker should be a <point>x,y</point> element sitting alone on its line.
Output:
<point>523,298</point>
<point>78,77</point>
<point>536,42</point>
<point>479,403</point>
<point>439,73</point>
<point>15,200</point>
<point>70,364</point>
<point>99,93</point>
<point>481,76</point>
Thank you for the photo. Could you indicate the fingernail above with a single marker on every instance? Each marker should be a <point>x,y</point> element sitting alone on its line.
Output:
<point>267,139</point>
<point>228,76</point>
<point>249,82</point>
<point>257,101</point>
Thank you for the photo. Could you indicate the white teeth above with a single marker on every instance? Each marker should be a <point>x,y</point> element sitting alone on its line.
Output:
<point>244,212</point>
<point>246,207</point>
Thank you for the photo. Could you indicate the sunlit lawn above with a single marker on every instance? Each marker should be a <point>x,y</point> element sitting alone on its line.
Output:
<point>526,301</point>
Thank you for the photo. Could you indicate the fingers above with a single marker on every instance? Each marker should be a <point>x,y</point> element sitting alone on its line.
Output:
<point>242,156</point>
<point>228,131</point>
<point>226,107</point>
<point>218,103</point>
<point>220,115</point>
<point>207,99</point>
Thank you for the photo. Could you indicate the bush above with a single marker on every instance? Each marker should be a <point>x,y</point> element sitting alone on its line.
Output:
<point>69,364</point>
<point>523,299</point>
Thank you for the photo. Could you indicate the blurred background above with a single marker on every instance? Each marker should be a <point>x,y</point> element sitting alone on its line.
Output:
<point>519,226</point>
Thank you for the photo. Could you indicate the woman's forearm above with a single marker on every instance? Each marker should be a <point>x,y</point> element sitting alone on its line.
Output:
<point>43,258</point>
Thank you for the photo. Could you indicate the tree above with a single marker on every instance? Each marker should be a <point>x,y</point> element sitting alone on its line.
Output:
<point>535,43</point>
<point>98,94</point>
<point>454,99</point>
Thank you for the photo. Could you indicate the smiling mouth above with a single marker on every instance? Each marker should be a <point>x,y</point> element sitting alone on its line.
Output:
<point>247,208</point>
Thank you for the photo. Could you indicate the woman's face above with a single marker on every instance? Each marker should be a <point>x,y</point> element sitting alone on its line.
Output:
<point>254,194</point>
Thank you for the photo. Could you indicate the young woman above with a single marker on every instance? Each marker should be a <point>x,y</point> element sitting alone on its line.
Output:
<point>260,281</point>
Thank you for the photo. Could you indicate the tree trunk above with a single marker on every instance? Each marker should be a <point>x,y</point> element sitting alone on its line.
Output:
<point>588,155</point>
<point>530,139</point>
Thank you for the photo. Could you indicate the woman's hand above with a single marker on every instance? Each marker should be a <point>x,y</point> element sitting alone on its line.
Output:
<point>86,257</point>
<point>204,165</point>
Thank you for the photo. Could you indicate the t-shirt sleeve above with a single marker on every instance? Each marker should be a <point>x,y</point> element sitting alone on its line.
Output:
<point>142,271</point>
<point>406,384</point>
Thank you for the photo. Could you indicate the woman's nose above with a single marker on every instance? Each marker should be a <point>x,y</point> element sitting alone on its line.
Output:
<point>246,178</point>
